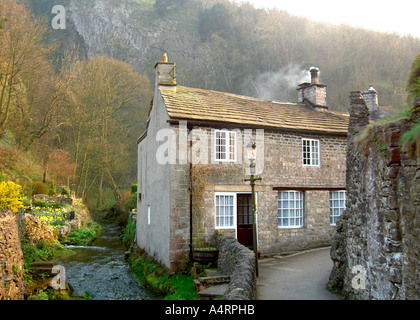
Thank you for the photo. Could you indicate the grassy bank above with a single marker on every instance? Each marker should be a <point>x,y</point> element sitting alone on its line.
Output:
<point>160,280</point>
<point>84,236</point>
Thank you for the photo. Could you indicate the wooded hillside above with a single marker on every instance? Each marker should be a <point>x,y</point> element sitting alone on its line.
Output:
<point>86,114</point>
<point>239,49</point>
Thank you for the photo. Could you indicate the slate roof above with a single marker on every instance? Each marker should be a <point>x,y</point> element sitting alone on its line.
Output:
<point>212,106</point>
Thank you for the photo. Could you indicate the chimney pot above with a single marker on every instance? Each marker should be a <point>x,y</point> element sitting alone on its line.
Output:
<point>314,75</point>
<point>164,57</point>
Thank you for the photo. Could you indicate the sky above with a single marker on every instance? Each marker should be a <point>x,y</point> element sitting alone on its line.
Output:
<point>402,16</point>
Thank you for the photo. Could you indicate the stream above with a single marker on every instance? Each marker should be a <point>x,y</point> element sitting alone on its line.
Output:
<point>102,269</point>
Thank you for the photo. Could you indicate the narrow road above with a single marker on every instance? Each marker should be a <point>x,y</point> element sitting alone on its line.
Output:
<point>302,276</point>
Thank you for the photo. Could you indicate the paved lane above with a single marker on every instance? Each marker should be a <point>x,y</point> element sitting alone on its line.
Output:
<point>302,276</point>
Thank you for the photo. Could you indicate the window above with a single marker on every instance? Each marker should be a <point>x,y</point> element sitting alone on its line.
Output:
<point>310,152</point>
<point>225,210</point>
<point>290,209</point>
<point>225,143</point>
<point>337,205</point>
<point>148,215</point>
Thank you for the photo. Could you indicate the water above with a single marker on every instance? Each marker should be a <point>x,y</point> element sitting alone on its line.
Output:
<point>102,269</point>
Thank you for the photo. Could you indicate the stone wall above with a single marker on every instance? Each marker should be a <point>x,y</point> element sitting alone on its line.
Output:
<point>37,230</point>
<point>376,251</point>
<point>11,257</point>
<point>238,262</point>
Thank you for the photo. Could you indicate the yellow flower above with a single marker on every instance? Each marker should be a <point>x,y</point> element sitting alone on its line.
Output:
<point>10,196</point>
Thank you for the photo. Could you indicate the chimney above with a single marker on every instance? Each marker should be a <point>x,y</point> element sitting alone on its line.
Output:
<point>359,113</point>
<point>314,93</point>
<point>371,99</point>
<point>165,72</point>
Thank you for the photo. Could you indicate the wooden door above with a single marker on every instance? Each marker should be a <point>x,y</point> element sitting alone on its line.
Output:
<point>244,220</point>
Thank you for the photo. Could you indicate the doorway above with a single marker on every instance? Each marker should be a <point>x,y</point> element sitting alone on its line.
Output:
<point>245,220</point>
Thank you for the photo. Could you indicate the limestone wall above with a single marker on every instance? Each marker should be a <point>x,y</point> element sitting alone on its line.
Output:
<point>11,257</point>
<point>376,250</point>
<point>238,262</point>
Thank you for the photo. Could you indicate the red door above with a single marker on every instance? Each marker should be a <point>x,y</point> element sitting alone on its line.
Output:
<point>245,220</point>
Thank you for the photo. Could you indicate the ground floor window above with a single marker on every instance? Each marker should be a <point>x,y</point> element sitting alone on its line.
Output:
<point>337,205</point>
<point>290,209</point>
<point>225,210</point>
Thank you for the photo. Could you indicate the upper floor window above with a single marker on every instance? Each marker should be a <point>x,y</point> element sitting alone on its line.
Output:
<point>310,152</point>
<point>225,144</point>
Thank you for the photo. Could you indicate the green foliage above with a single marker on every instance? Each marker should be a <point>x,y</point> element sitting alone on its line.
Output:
<point>46,204</point>
<point>41,295</point>
<point>84,236</point>
<point>42,251</point>
<point>51,192</point>
<point>410,141</point>
<point>181,288</point>
<point>64,191</point>
<point>38,187</point>
<point>134,188</point>
<point>129,231</point>
<point>131,202</point>
<point>413,81</point>
<point>215,20</point>
<point>158,278</point>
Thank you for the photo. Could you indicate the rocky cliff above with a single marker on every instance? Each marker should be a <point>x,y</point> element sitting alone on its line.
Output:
<point>135,33</point>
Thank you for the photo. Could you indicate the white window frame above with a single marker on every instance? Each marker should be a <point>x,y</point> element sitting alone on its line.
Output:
<point>148,215</point>
<point>229,136</point>
<point>297,210</point>
<point>314,152</point>
<point>234,206</point>
<point>337,205</point>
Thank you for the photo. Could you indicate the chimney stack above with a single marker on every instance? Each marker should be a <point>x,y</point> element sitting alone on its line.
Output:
<point>165,72</point>
<point>371,99</point>
<point>313,93</point>
<point>359,113</point>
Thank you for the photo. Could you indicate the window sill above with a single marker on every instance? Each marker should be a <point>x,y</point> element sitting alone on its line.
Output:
<point>285,228</point>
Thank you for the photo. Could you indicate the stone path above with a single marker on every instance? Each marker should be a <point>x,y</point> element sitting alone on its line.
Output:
<point>302,276</point>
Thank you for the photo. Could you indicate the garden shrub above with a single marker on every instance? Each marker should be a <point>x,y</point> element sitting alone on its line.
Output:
<point>63,191</point>
<point>10,196</point>
<point>38,187</point>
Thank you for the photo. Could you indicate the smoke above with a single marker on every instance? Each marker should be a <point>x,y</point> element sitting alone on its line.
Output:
<point>278,85</point>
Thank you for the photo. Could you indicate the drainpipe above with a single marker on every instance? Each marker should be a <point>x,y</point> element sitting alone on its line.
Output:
<point>189,128</point>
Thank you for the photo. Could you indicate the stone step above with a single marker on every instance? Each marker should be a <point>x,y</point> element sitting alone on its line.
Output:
<point>43,266</point>
<point>205,282</point>
<point>213,292</point>
<point>213,273</point>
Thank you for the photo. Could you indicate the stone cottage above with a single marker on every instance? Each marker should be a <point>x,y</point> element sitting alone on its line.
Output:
<point>196,152</point>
